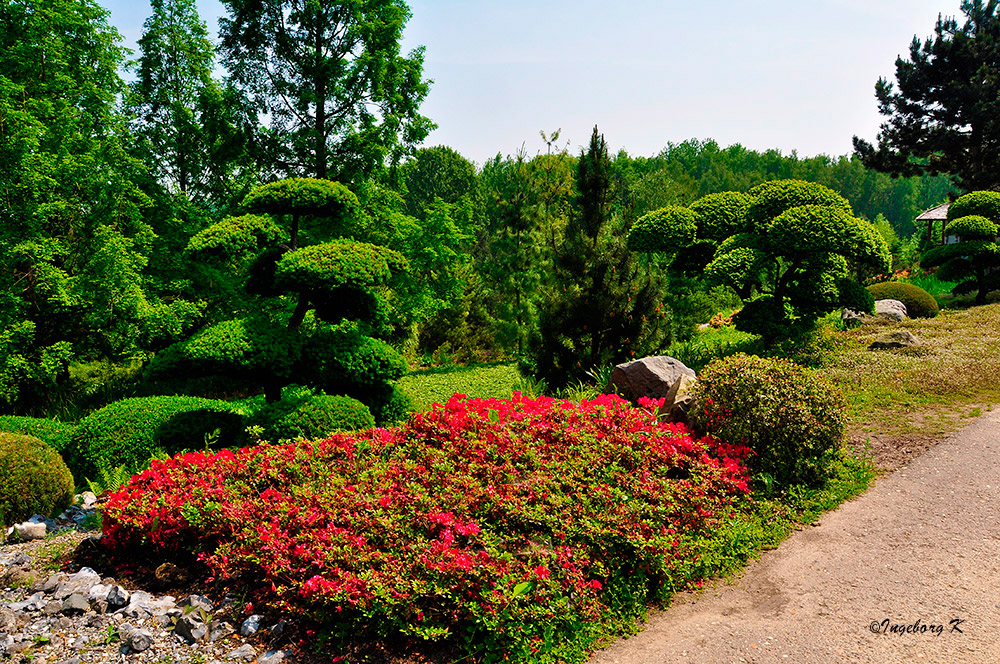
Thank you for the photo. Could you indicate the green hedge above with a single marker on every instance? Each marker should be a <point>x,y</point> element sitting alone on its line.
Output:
<point>919,303</point>
<point>53,433</point>
<point>33,479</point>
<point>313,417</point>
<point>130,431</point>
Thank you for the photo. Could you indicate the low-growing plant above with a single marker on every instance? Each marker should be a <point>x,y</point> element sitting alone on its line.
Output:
<point>33,478</point>
<point>792,420</point>
<point>516,528</point>
<point>919,303</point>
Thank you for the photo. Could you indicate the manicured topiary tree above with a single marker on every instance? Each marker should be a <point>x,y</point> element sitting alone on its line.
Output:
<point>973,261</point>
<point>319,303</point>
<point>792,250</point>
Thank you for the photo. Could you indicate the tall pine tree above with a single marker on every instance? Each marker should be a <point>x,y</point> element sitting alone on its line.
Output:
<point>601,310</point>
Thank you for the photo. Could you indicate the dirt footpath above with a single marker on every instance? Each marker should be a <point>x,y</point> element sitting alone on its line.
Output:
<point>908,572</point>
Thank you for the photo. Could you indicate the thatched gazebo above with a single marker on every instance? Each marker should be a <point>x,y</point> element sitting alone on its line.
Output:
<point>939,213</point>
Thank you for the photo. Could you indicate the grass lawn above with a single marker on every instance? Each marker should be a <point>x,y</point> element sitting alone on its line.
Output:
<point>425,388</point>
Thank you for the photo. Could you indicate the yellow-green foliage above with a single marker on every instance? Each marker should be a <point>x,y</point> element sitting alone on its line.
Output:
<point>972,227</point>
<point>33,478</point>
<point>53,433</point>
<point>310,196</point>
<point>980,203</point>
<point>234,238</point>
<point>721,215</point>
<point>130,431</point>
<point>315,416</point>
<point>792,419</point>
<point>919,303</point>
<point>326,267</point>
<point>666,230</point>
<point>772,198</point>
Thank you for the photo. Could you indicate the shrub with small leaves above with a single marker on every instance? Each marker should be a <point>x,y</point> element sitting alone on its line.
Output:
<point>774,197</point>
<point>791,419</point>
<point>721,215</point>
<point>308,196</point>
<point>131,431</point>
<point>53,433</point>
<point>919,303</point>
<point>979,203</point>
<point>972,227</point>
<point>33,478</point>
<point>314,417</point>
<point>665,230</point>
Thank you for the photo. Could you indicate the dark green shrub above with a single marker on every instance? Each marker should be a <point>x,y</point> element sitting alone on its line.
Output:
<point>972,227</point>
<point>53,433</point>
<point>793,421</point>
<point>856,297</point>
<point>981,203</point>
<point>919,303</point>
<point>33,478</point>
<point>128,432</point>
<point>314,417</point>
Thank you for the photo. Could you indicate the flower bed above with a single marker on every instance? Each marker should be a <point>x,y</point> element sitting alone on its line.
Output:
<point>522,527</point>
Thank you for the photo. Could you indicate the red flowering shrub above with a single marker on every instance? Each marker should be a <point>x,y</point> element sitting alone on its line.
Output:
<point>515,525</point>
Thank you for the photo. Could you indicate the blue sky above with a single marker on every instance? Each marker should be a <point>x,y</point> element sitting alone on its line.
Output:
<point>784,74</point>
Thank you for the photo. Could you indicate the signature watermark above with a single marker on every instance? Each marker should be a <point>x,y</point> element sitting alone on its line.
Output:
<point>916,627</point>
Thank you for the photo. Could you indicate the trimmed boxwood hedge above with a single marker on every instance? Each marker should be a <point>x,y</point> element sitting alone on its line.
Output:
<point>53,433</point>
<point>33,478</point>
<point>313,417</point>
<point>919,303</point>
<point>128,432</point>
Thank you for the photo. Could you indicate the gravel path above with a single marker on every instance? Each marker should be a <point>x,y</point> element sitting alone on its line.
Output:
<point>917,551</point>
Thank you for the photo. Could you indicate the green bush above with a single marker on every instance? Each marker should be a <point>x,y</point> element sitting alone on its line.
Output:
<point>323,267</point>
<point>234,237</point>
<point>919,303</point>
<point>303,196</point>
<point>981,203</point>
<point>130,431</point>
<point>855,297</point>
<point>774,197</point>
<point>793,421</point>
<point>666,229</point>
<point>33,478</point>
<point>53,433</point>
<point>972,227</point>
<point>314,417</point>
<point>721,215</point>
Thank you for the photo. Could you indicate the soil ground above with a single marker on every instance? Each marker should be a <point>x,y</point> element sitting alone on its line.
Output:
<point>907,572</point>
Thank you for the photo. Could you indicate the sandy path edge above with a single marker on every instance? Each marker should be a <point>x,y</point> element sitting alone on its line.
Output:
<point>922,544</point>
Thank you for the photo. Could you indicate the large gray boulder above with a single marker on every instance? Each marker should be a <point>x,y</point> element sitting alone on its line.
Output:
<point>679,401</point>
<point>892,310</point>
<point>650,377</point>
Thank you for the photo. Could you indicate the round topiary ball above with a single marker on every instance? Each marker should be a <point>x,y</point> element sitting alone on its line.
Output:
<point>773,197</point>
<point>721,215</point>
<point>919,303</point>
<point>667,229</point>
<point>791,419</point>
<point>972,227</point>
<point>980,203</point>
<point>33,479</point>
<point>319,416</point>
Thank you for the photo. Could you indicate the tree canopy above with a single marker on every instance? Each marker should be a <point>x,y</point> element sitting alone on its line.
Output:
<point>943,112</point>
<point>341,99</point>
